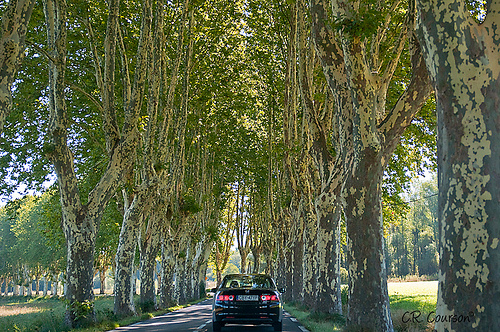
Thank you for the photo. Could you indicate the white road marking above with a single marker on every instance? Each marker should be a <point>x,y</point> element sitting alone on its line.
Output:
<point>201,327</point>
<point>293,319</point>
<point>303,329</point>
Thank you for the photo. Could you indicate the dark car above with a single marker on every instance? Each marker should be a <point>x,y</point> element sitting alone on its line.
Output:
<point>247,299</point>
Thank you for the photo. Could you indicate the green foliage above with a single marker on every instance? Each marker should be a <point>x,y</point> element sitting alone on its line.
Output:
<point>188,203</point>
<point>477,8</point>
<point>363,23</point>
<point>83,312</point>
<point>31,239</point>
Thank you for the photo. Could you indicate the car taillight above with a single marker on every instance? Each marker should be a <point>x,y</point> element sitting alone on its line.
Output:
<point>225,298</point>
<point>273,298</point>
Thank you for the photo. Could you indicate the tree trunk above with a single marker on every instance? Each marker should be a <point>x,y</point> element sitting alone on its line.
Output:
<point>55,285</point>
<point>297,255</point>
<point>244,255</point>
<point>202,270</point>
<point>197,252</point>
<point>45,286</point>
<point>180,269</point>
<point>102,278</point>
<point>310,263</point>
<point>167,274</point>
<point>148,267</point>
<point>150,243</point>
<point>368,306</point>
<point>132,220</point>
<point>189,272</point>
<point>463,59</point>
<point>180,280</point>
<point>256,260</point>
<point>79,274</point>
<point>124,278</point>
<point>328,282</point>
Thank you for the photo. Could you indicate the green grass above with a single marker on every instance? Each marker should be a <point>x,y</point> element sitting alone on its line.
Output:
<point>31,314</point>
<point>411,303</point>
<point>315,322</point>
<point>46,314</point>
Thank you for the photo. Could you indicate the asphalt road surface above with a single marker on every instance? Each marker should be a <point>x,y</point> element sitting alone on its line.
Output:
<point>198,318</point>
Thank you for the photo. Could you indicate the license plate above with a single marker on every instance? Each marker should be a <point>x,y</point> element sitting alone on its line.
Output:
<point>247,298</point>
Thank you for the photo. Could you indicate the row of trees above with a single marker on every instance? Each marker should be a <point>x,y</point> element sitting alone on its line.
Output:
<point>153,107</point>
<point>271,119</point>
<point>33,246</point>
<point>412,241</point>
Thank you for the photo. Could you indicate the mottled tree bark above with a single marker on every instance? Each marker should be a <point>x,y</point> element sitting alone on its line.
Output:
<point>328,278</point>
<point>15,20</point>
<point>331,169</point>
<point>309,260</point>
<point>149,245</point>
<point>180,270</point>
<point>167,298</point>
<point>125,254</point>
<point>368,296</point>
<point>296,268</point>
<point>149,250</point>
<point>287,263</point>
<point>463,59</point>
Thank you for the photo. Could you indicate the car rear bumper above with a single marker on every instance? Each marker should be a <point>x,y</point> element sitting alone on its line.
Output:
<point>261,314</point>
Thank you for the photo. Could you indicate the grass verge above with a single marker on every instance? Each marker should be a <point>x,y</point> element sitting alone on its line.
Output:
<point>411,305</point>
<point>46,314</point>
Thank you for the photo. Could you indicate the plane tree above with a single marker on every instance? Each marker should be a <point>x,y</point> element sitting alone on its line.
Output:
<point>460,44</point>
<point>81,218</point>
<point>359,51</point>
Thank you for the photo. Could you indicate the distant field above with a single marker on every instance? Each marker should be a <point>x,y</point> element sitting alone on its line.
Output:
<point>412,299</point>
<point>413,288</point>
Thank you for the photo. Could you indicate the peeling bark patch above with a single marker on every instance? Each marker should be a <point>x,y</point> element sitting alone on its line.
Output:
<point>471,193</point>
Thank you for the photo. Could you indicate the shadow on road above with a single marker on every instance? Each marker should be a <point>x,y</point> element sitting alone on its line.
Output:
<point>245,328</point>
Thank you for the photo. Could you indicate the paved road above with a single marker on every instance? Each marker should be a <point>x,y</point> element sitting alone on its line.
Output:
<point>197,318</point>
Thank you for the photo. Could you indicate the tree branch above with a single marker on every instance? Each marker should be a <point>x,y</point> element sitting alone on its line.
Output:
<point>410,102</point>
<point>86,94</point>
<point>108,85</point>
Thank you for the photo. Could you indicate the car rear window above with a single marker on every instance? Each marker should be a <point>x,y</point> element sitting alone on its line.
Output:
<point>248,282</point>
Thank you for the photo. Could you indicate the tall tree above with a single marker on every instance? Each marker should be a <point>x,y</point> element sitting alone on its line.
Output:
<point>81,220</point>
<point>365,49</point>
<point>462,55</point>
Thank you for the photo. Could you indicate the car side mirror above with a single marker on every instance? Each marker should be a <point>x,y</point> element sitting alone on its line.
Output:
<point>281,289</point>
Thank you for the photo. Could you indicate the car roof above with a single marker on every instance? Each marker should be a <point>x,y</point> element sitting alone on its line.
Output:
<point>247,275</point>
